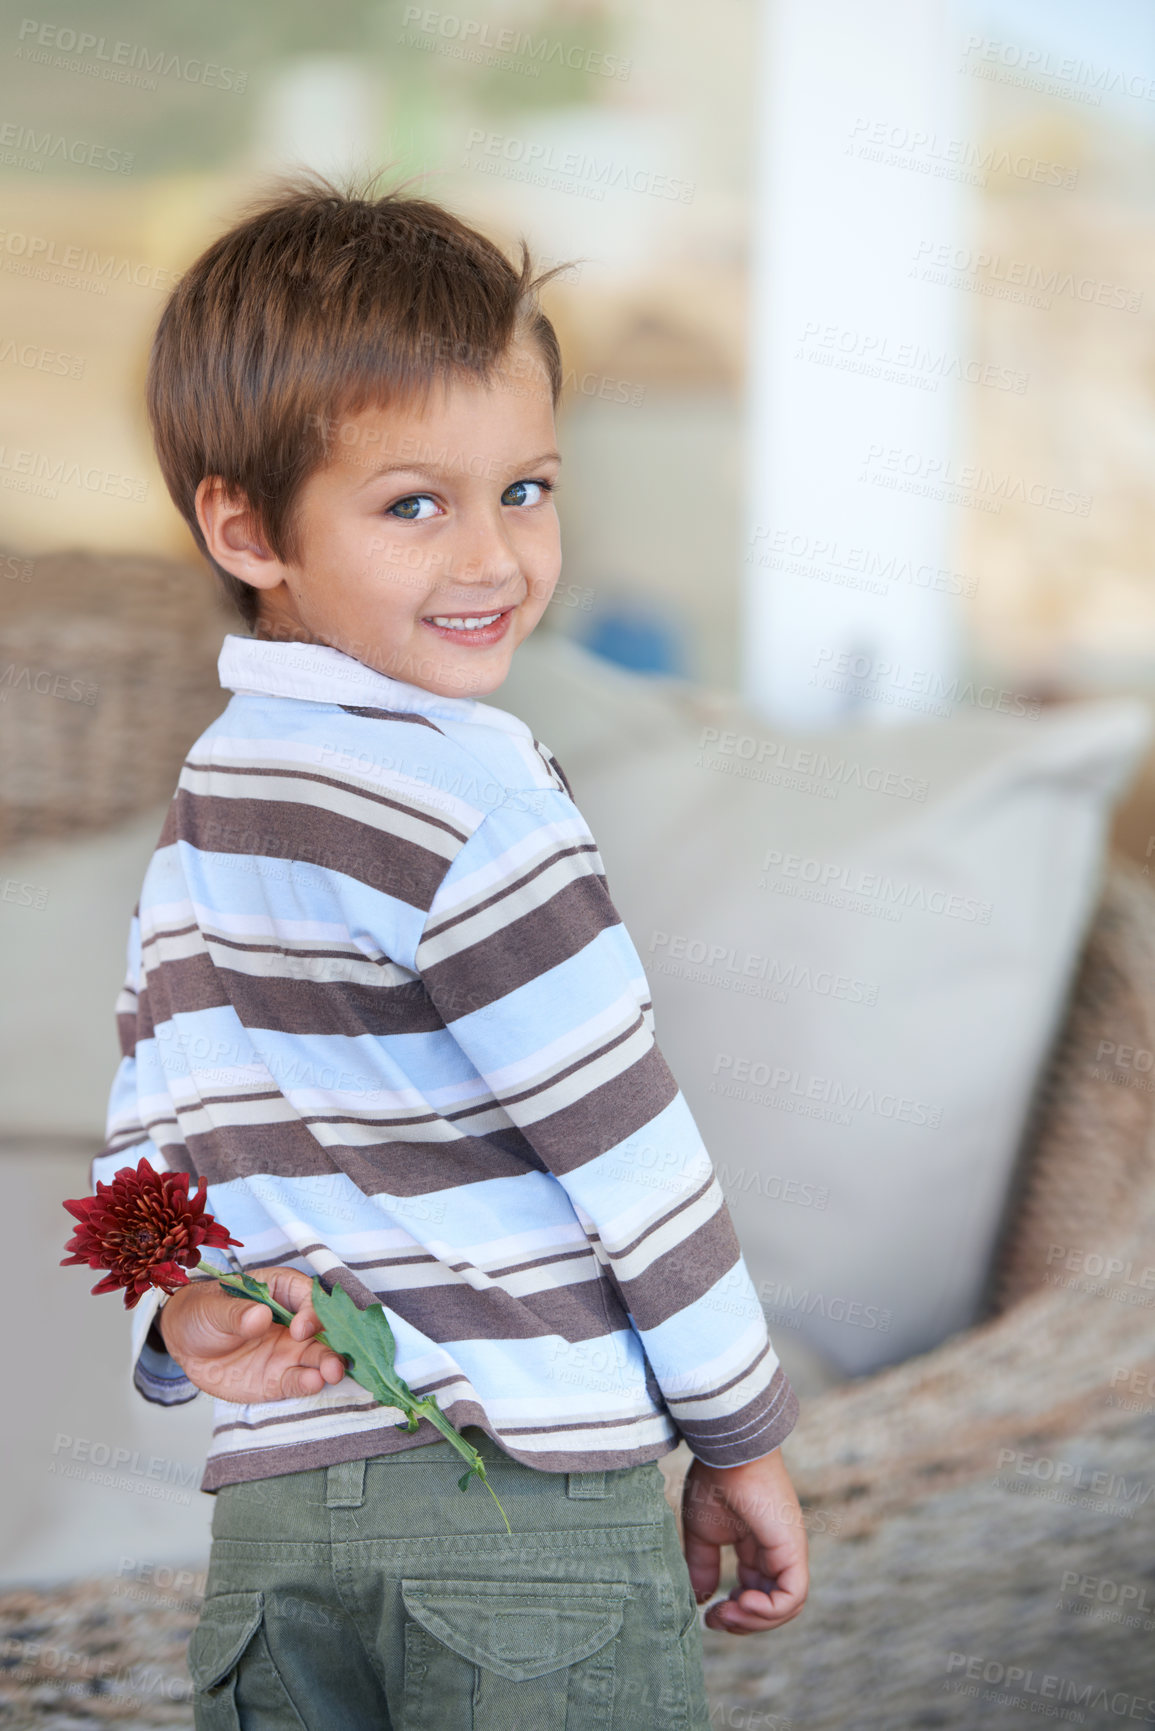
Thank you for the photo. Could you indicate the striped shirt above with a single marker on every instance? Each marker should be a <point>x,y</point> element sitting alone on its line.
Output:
<point>379,997</point>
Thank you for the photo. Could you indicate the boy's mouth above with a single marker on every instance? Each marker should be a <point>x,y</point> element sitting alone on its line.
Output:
<point>474,628</point>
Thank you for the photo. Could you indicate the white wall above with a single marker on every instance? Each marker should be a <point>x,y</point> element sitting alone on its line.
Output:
<point>835,308</point>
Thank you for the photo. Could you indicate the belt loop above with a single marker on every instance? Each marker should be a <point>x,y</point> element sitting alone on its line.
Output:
<point>585,1484</point>
<point>345,1485</point>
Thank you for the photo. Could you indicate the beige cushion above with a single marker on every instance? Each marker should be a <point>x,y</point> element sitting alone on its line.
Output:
<point>858,946</point>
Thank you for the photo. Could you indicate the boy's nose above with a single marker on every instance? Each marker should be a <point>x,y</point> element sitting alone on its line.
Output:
<point>487,560</point>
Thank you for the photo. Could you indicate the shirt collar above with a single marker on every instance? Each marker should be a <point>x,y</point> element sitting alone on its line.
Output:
<point>262,667</point>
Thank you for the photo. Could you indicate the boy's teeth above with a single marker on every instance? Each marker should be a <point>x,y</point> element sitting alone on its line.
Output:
<point>466,624</point>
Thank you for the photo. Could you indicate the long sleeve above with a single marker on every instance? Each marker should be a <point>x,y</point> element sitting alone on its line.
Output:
<point>530,966</point>
<point>155,1374</point>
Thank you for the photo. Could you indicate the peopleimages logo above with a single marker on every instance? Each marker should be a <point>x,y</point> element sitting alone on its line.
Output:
<point>861,891</point>
<point>573,170</point>
<point>967,483</point>
<point>1022,1686</point>
<point>35,255</point>
<point>1106,1591</point>
<point>25,895</point>
<point>874,355</point>
<point>70,50</point>
<point>1042,69</point>
<point>722,964</point>
<point>1022,280</point>
<point>864,676</point>
<point>826,1090</point>
<point>45,683</point>
<point>33,471</point>
<point>804,554</point>
<point>945,158</point>
<point>472,35</point>
<point>23,147</point>
<point>39,359</point>
<point>787,764</point>
<point>829,561</point>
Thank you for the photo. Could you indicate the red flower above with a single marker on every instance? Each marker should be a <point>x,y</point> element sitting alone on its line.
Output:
<point>141,1227</point>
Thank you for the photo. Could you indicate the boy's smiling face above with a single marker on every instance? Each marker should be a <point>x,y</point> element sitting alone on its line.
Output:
<point>424,514</point>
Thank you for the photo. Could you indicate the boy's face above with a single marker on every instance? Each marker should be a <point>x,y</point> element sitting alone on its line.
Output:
<point>442,513</point>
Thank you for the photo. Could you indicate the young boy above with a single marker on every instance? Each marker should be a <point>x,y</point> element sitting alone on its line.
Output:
<point>379,997</point>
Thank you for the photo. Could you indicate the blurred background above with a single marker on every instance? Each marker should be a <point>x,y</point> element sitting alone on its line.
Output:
<point>859,418</point>
<point>1001,277</point>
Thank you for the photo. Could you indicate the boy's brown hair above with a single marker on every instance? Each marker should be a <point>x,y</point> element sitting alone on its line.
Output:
<point>321,302</point>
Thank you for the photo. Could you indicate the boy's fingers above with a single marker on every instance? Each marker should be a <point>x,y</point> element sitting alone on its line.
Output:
<point>702,1562</point>
<point>761,1601</point>
<point>290,1354</point>
<point>294,1289</point>
<point>239,1316</point>
<point>305,1323</point>
<point>303,1379</point>
<point>750,1612</point>
<point>784,1564</point>
<point>312,1375</point>
<point>739,1620</point>
<point>785,1561</point>
<point>289,1286</point>
<point>324,1359</point>
<point>793,1580</point>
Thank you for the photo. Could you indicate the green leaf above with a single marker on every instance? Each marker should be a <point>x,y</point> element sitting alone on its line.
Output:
<point>364,1339</point>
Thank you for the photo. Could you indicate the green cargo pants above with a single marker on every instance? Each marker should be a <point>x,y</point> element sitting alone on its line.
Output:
<point>376,1596</point>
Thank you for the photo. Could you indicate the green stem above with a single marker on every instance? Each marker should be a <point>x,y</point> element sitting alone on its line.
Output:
<point>485,1481</point>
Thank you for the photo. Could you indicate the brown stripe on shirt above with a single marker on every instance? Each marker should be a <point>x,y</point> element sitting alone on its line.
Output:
<point>128,1031</point>
<point>770,1416</point>
<point>713,1390</point>
<point>585,852</point>
<point>554,767</point>
<point>307,835</point>
<point>445,1313</point>
<point>528,946</point>
<point>402,1166</point>
<point>389,715</point>
<point>319,784</point>
<point>598,1121</point>
<point>288,1002</point>
<point>656,1224</point>
<point>684,1273</point>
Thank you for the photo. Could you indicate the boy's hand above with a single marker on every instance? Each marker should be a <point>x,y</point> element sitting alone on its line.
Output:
<point>753,1508</point>
<point>238,1351</point>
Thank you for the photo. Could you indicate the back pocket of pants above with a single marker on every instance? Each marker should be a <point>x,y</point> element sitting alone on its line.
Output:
<point>230,1640</point>
<point>511,1655</point>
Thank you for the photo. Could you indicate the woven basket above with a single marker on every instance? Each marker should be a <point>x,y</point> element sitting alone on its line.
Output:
<point>107,675</point>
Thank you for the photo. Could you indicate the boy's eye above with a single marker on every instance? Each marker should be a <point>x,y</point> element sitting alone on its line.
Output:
<point>518,493</point>
<point>409,510</point>
<point>521,493</point>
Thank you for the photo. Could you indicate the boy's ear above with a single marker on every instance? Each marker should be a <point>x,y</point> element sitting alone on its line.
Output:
<point>232,535</point>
